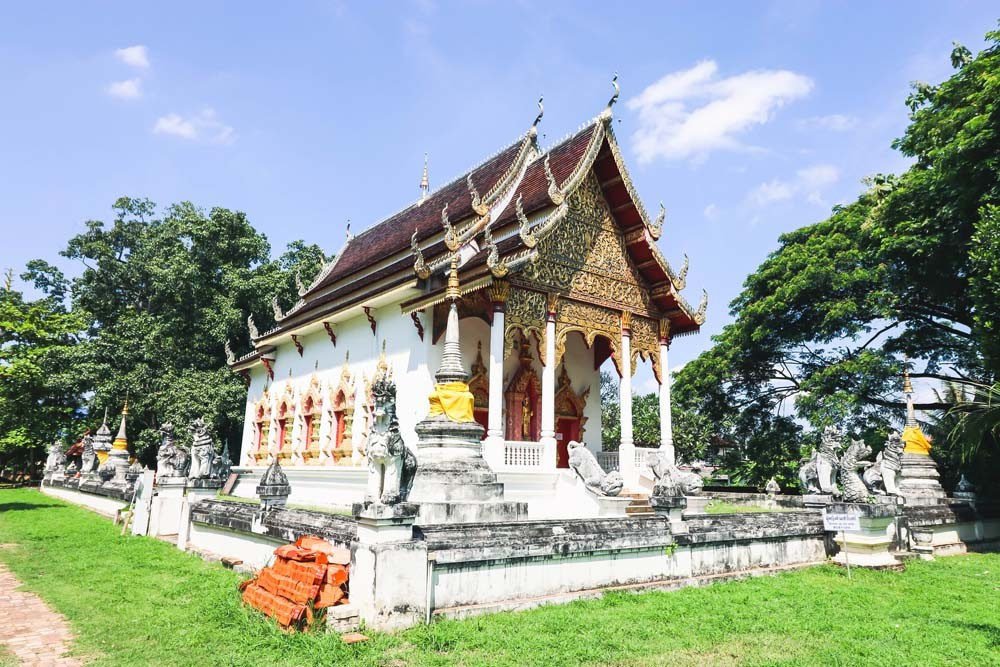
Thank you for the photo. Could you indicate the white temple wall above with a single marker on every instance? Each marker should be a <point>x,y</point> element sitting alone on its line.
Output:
<point>579,361</point>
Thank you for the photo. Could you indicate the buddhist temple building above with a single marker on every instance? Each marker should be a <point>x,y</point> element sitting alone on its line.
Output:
<point>560,269</point>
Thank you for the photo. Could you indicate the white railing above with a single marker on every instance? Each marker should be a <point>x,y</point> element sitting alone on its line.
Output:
<point>608,460</point>
<point>640,457</point>
<point>521,454</point>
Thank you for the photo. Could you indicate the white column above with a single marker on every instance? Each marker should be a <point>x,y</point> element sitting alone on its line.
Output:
<point>626,450</point>
<point>493,448</point>
<point>548,434</point>
<point>666,424</point>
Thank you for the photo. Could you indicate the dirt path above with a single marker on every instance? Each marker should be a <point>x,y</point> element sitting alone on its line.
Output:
<point>33,633</point>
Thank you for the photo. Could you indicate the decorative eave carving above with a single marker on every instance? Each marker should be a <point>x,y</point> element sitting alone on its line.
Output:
<point>371,318</point>
<point>298,345</point>
<point>699,316</point>
<point>524,227</point>
<point>497,267</point>
<point>276,307</point>
<point>331,332</point>
<point>681,280</point>
<point>656,228</point>
<point>299,287</point>
<point>499,292</point>
<point>230,357</point>
<point>418,324</point>
<point>555,193</point>
<point>419,264</point>
<point>478,205</point>
<point>450,238</point>
<point>252,327</point>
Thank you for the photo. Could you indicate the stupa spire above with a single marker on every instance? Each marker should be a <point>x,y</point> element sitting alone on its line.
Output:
<point>121,429</point>
<point>911,417</point>
<point>425,183</point>
<point>451,369</point>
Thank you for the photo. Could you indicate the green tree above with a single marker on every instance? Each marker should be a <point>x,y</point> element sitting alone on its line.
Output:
<point>159,296</point>
<point>39,398</point>
<point>822,328</point>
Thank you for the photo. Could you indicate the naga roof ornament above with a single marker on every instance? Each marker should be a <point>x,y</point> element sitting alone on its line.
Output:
<point>555,194</point>
<point>419,264</point>
<point>538,118</point>
<point>606,114</point>
<point>230,357</point>
<point>681,281</point>
<point>450,237</point>
<point>699,316</point>
<point>497,268</point>
<point>276,307</point>
<point>656,227</point>
<point>299,287</point>
<point>477,202</point>
<point>252,327</point>
<point>524,230</point>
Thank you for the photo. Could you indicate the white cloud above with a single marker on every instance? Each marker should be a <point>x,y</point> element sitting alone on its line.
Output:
<point>129,89</point>
<point>133,56</point>
<point>836,122</point>
<point>204,125</point>
<point>711,212</point>
<point>767,193</point>
<point>809,182</point>
<point>689,113</point>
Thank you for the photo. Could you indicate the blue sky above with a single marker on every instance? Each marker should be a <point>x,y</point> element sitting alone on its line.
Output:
<point>745,119</point>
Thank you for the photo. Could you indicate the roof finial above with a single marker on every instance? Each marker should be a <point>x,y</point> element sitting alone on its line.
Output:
<point>425,184</point>
<point>538,118</point>
<point>606,114</point>
<point>347,232</point>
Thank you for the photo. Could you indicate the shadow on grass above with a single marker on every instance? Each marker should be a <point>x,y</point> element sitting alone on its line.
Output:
<point>991,631</point>
<point>13,507</point>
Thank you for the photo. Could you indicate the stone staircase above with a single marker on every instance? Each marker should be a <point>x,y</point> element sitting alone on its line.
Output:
<point>639,506</point>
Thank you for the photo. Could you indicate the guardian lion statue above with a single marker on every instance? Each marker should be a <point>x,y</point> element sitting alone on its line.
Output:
<point>172,460</point>
<point>854,489</point>
<point>670,480</point>
<point>583,461</point>
<point>882,478</point>
<point>202,450</point>
<point>391,464</point>
<point>818,473</point>
<point>88,459</point>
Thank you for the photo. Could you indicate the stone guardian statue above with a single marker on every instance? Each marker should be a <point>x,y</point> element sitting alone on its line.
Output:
<point>88,459</point>
<point>202,450</point>
<point>172,460</point>
<point>882,477</point>
<point>818,474</point>
<point>585,464</point>
<point>671,481</point>
<point>854,489</point>
<point>391,465</point>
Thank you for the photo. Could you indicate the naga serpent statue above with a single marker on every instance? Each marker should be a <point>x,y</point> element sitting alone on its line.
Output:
<point>202,450</point>
<point>586,466</point>
<point>391,464</point>
<point>671,480</point>
<point>854,489</point>
<point>818,473</point>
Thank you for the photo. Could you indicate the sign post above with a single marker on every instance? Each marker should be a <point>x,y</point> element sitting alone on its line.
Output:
<point>842,522</point>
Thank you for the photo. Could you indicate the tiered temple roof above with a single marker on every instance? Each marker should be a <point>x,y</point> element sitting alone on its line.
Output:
<point>510,201</point>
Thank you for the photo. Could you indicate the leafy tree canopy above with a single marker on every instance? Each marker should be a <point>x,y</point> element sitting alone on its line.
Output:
<point>908,270</point>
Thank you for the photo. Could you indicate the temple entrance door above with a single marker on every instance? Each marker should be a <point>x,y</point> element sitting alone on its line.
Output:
<point>567,428</point>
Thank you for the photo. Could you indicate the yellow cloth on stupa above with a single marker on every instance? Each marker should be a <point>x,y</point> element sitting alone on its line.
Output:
<point>454,400</point>
<point>915,442</point>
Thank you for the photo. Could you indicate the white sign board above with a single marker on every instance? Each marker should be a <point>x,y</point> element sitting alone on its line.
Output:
<point>838,522</point>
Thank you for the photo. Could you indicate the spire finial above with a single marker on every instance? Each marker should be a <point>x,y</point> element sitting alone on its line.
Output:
<point>454,291</point>
<point>606,114</point>
<point>541,112</point>
<point>425,183</point>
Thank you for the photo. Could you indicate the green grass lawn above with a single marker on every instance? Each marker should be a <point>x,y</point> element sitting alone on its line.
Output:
<point>139,601</point>
<point>722,507</point>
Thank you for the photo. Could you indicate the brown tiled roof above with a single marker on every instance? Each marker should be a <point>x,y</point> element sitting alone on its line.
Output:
<point>392,235</point>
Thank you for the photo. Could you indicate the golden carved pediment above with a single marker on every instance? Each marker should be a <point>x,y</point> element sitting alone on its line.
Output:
<point>585,257</point>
